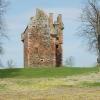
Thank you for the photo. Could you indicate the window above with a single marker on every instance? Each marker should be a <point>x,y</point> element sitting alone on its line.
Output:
<point>56,46</point>
<point>57,38</point>
<point>42,60</point>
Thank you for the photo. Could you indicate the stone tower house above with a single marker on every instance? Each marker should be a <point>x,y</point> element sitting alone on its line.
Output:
<point>43,39</point>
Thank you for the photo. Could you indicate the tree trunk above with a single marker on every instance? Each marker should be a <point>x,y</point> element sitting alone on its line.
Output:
<point>98,59</point>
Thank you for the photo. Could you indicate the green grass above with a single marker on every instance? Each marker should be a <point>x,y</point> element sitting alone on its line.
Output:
<point>45,72</point>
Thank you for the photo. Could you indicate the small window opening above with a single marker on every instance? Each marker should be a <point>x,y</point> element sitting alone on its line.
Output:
<point>56,46</point>
<point>57,38</point>
<point>42,60</point>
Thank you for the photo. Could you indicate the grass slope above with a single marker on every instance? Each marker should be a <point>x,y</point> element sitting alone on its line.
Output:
<point>44,72</point>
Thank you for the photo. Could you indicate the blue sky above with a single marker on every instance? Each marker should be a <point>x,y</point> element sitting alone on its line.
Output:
<point>18,16</point>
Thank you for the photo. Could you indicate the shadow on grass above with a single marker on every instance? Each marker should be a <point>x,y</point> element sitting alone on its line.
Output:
<point>10,73</point>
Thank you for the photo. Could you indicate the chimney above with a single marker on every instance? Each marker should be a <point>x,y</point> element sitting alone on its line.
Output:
<point>59,18</point>
<point>51,23</point>
<point>51,18</point>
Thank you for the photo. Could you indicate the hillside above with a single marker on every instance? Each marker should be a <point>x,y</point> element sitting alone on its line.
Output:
<point>50,84</point>
<point>45,72</point>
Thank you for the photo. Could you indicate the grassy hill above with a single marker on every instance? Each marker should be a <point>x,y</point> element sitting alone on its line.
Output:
<point>45,72</point>
<point>50,84</point>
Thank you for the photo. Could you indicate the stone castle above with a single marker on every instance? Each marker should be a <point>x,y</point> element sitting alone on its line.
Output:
<point>43,39</point>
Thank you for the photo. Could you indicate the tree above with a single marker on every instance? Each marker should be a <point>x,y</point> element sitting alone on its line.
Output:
<point>3,34</point>
<point>90,28</point>
<point>10,63</point>
<point>3,5</point>
<point>70,61</point>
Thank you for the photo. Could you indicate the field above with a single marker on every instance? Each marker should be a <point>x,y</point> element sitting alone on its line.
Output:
<point>50,84</point>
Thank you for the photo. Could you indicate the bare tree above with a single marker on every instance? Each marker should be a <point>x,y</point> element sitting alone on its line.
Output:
<point>3,34</point>
<point>10,63</point>
<point>90,28</point>
<point>70,61</point>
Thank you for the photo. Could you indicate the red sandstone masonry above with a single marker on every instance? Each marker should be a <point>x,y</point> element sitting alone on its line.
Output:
<point>43,41</point>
